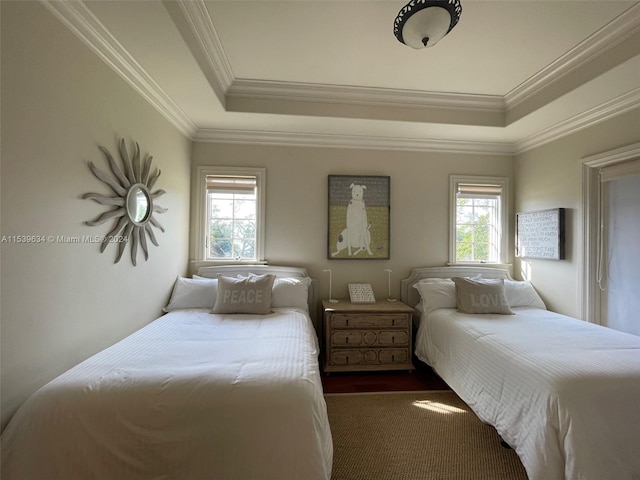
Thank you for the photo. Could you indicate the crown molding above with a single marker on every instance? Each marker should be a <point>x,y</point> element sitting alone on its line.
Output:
<point>617,106</point>
<point>372,96</point>
<point>199,21</point>
<point>622,154</point>
<point>257,137</point>
<point>78,18</point>
<point>601,42</point>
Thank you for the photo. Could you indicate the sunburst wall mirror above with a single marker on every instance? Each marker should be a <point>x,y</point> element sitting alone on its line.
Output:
<point>134,202</point>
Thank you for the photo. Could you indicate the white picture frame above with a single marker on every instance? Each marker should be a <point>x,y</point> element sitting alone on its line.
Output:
<point>361,293</point>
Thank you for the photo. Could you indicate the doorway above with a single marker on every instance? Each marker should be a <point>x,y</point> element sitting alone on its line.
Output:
<point>611,198</point>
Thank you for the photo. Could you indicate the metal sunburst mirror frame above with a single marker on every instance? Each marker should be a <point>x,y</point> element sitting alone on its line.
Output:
<point>134,202</point>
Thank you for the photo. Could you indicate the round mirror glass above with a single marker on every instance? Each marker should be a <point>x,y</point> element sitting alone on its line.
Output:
<point>138,204</point>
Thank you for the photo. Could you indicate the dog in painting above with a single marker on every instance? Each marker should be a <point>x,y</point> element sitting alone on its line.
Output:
<point>356,237</point>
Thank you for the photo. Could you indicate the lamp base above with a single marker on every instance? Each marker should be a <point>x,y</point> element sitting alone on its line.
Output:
<point>392,299</point>
<point>333,300</point>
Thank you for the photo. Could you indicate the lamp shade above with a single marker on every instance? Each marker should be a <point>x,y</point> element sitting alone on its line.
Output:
<point>423,23</point>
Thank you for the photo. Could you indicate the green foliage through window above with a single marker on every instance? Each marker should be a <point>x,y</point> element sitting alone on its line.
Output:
<point>477,229</point>
<point>232,225</point>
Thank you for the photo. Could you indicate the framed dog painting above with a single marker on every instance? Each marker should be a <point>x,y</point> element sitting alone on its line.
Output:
<point>359,213</point>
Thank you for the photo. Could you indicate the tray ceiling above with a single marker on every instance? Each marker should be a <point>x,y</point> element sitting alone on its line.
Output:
<point>511,75</point>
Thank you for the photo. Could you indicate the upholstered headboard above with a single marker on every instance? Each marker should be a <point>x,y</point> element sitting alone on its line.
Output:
<point>410,295</point>
<point>278,271</point>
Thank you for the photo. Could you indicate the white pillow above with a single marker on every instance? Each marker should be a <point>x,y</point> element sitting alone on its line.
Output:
<point>193,293</point>
<point>291,292</point>
<point>436,293</point>
<point>522,294</point>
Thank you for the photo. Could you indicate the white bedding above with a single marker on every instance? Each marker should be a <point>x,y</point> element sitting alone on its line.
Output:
<point>565,394</point>
<point>190,396</point>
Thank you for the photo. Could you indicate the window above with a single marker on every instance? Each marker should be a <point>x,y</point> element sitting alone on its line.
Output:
<point>231,209</point>
<point>479,213</point>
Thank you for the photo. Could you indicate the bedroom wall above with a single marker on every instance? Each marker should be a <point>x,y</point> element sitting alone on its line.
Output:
<point>62,302</point>
<point>550,176</point>
<point>296,205</point>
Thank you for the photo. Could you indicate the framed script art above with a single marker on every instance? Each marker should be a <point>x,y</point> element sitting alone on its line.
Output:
<point>358,217</point>
<point>361,293</point>
<point>540,234</point>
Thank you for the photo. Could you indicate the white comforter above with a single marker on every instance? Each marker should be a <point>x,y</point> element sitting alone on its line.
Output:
<point>190,396</point>
<point>565,394</point>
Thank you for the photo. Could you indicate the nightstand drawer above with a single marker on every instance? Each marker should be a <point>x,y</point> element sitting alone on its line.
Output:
<point>347,338</point>
<point>354,357</point>
<point>393,356</point>
<point>389,338</point>
<point>345,358</point>
<point>342,320</point>
<point>355,338</point>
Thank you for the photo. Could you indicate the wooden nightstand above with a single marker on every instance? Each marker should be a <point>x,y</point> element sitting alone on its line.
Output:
<point>362,337</point>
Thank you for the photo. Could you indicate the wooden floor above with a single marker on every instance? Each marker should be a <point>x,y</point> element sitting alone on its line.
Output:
<point>422,378</point>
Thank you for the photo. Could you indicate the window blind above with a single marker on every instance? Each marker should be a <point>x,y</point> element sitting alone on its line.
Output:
<point>476,190</point>
<point>620,170</point>
<point>237,185</point>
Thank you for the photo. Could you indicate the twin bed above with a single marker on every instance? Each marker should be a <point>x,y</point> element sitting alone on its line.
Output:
<point>192,395</point>
<point>564,393</point>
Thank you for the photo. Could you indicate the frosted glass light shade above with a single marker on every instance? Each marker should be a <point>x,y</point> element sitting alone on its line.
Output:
<point>423,23</point>
<point>426,27</point>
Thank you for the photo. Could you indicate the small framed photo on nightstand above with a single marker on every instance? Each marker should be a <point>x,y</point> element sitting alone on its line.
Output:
<point>361,293</point>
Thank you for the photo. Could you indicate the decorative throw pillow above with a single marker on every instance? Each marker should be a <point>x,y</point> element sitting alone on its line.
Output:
<point>522,294</point>
<point>250,294</point>
<point>193,293</point>
<point>290,292</point>
<point>481,296</point>
<point>436,293</point>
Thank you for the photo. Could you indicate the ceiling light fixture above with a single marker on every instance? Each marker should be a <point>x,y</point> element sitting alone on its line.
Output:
<point>423,23</point>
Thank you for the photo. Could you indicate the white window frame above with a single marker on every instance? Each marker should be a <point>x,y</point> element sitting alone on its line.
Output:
<point>201,211</point>
<point>454,181</point>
